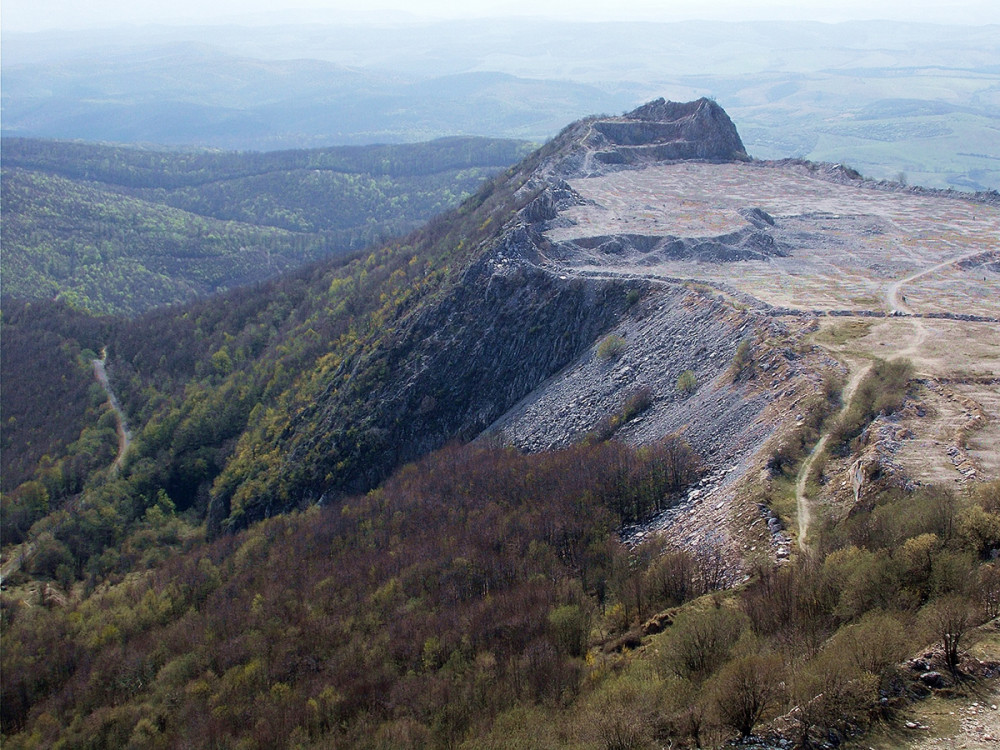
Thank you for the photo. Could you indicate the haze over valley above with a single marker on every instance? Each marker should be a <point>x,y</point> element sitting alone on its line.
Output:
<point>890,99</point>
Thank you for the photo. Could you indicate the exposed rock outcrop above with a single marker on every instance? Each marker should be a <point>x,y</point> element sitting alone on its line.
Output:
<point>667,131</point>
<point>749,243</point>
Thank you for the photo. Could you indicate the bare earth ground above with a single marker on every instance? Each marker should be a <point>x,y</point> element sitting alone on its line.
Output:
<point>885,258</point>
<point>959,362</point>
<point>851,242</point>
<point>970,726</point>
<point>850,247</point>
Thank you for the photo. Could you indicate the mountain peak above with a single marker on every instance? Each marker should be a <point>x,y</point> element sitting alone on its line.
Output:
<point>662,131</point>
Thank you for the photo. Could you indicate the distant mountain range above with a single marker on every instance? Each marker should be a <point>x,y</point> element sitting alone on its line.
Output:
<point>909,101</point>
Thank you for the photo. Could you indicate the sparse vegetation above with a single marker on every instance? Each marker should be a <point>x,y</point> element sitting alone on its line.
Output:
<point>611,347</point>
<point>741,367</point>
<point>794,446</point>
<point>850,330</point>
<point>882,391</point>
<point>637,402</point>
<point>687,382</point>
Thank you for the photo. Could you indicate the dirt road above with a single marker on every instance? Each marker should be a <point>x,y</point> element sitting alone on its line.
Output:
<point>124,436</point>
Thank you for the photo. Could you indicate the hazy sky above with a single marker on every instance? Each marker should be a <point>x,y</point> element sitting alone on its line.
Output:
<point>35,15</point>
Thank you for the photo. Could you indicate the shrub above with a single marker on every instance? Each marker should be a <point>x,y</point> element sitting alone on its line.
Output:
<point>874,644</point>
<point>745,689</point>
<point>635,404</point>
<point>611,347</point>
<point>701,640</point>
<point>988,589</point>
<point>570,627</point>
<point>742,364</point>
<point>834,697</point>
<point>687,382</point>
<point>50,556</point>
<point>948,619</point>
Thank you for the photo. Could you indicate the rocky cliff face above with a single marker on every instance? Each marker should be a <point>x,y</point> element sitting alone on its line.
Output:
<point>667,131</point>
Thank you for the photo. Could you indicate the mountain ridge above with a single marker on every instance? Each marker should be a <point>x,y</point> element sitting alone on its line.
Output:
<point>655,428</point>
<point>508,325</point>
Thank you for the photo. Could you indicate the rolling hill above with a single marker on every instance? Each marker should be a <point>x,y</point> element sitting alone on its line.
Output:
<point>120,230</point>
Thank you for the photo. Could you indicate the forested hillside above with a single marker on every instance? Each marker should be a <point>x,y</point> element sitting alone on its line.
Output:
<point>200,381</point>
<point>121,230</point>
<point>314,539</point>
<point>49,396</point>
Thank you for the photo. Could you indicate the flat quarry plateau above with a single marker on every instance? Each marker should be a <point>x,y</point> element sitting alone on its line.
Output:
<point>865,269</point>
<point>846,244</point>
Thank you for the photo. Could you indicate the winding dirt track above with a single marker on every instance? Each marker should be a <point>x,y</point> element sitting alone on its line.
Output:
<point>22,553</point>
<point>804,512</point>
<point>895,302</point>
<point>124,436</point>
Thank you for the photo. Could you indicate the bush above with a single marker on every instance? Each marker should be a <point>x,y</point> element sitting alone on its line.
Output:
<point>611,347</point>
<point>701,640</point>
<point>742,365</point>
<point>948,619</point>
<point>796,444</point>
<point>745,689</point>
<point>570,627</point>
<point>874,644</point>
<point>834,697</point>
<point>687,382</point>
<point>637,402</point>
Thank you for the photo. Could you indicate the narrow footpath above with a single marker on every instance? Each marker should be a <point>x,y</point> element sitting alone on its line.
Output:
<point>124,436</point>
<point>858,370</point>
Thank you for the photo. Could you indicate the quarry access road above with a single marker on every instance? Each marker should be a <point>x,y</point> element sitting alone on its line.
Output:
<point>858,369</point>
<point>893,299</point>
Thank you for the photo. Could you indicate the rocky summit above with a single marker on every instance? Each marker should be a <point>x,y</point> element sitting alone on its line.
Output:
<point>664,131</point>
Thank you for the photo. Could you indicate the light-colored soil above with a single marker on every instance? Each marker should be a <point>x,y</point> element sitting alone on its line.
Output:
<point>850,247</point>
<point>851,243</point>
<point>958,407</point>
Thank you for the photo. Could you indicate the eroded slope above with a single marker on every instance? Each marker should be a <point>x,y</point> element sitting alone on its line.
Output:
<point>786,249</point>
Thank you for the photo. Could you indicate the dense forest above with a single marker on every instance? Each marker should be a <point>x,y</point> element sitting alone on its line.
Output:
<point>479,599</point>
<point>121,230</point>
